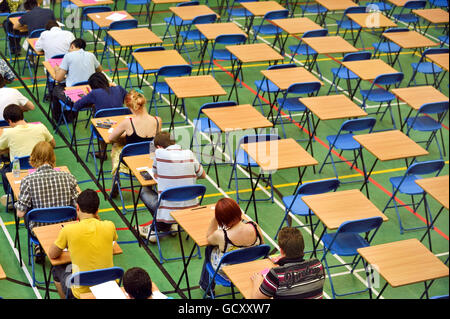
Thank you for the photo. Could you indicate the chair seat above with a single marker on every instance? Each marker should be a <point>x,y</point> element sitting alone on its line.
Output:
<point>266,86</point>
<point>408,186</point>
<point>314,9</point>
<point>344,73</point>
<point>439,3</point>
<point>344,142</point>
<point>381,6</point>
<point>387,47</point>
<point>136,68</point>
<point>378,95</point>
<point>424,124</point>
<point>426,67</point>
<point>299,207</point>
<point>176,21</point>
<point>268,29</point>
<point>348,25</point>
<point>239,12</point>
<point>443,38</point>
<point>89,25</point>
<point>110,41</point>
<point>194,35</point>
<point>137,2</point>
<point>303,49</point>
<point>407,17</point>
<point>205,125</point>
<point>345,244</point>
<point>242,159</point>
<point>291,104</point>
<point>162,88</point>
<point>223,55</point>
<point>219,279</point>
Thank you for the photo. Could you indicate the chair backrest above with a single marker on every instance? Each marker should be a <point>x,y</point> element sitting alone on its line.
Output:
<point>319,187</point>
<point>362,124</point>
<point>188,3</point>
<point>390,30</point>
<point>81,83</point>
<point>114,111</point>
<point>360,225</point>
<point>36,33</point>
<point>282,66</point>
<point>50,215</point>
<point>425,168</point>
<point>415,4</point>
<point>3,123</point>
<point>355,10</point>
<point>315,33</point>
<point>147,49</point>
<point>203,19</point>
<point>388,79</point>
<point>258,138</point>
<point>245,255</point>
<point>183,193</point>
<point>123,24</point>
<point>58,56</point>
<point>133,149</point>
<point>86,10</point>
<point>230,39</point>
<point>25,162</point>
<point>434,108</point>
<point>95,277</point>
<point>211,105</point>
<point>357,56</point>
<point>304,88</point>
<point>435,51</point>
<point>276,14</point>
<point>175,70</point>
<point>16,14</point>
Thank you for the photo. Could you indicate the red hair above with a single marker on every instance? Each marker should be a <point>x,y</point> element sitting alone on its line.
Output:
<point>227,212</point>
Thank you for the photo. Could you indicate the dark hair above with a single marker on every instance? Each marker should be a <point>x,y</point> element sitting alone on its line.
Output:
<point>290,240</point>
<point>30,4</point>
<point>13,113</point>
<point>88,201</point>
<point>137,283</point>
<point>98,81</point>
<point>79,43</point>
<point>163,139</point>
<point>2,81</point>
<point>227,212</point>
<point>50,24</point>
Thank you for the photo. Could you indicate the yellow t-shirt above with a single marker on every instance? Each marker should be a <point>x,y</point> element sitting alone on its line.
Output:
<point>90,244</point>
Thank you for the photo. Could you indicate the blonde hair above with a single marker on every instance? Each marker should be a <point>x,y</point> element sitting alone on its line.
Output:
<point>135,100</point>
<point>42,153</point>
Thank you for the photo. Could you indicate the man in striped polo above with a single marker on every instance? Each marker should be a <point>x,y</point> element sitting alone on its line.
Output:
<point>294,277</point>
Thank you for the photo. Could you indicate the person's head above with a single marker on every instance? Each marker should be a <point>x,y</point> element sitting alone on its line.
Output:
<point>163,139</point>
<point>227,212</point>
<point>137,283</point>
<point>2,81</point>
<point>88,202</point>
<point>41,154</point>
<point>291,242</point>
<point>77,44</point>
<point>13,113</point>
<point>50,24</point>
<point>30,4</point>
<point>135,101</point>
<point>98,80</point>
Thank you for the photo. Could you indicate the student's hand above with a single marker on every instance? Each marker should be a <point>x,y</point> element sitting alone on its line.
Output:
<point>257,279</point>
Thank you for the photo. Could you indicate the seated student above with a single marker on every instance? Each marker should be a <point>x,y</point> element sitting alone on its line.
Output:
<point>89,243</point>
<point>294,277</point>
<point>12,96</point>
<point>12,6</point>
<point>138,285</point>
<point>227,231</point>
<point>35,17</point>
<point>172,167</point>
<point>54,41</point>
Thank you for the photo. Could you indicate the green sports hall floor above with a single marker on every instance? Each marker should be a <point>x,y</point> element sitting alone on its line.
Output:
<point>270,214</point>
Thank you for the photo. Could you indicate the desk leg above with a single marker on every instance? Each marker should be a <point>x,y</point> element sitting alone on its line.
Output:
<point>202,56</point>
<point>117,60</point>
<point>236,78</point>
<point>17,237</point>
<point>252,196</point>
<point>366,175</point>
<point>314,252</point>
<point>185,264</point>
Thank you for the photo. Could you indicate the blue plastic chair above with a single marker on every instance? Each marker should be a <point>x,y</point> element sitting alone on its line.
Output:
<point>94,136</point>
<point>266,28</point>
<point>374,5</point>
<point>230,258</point>
<point>427,68</point>
<point>176,194</point>
<point>342,73</point>
<point>388,47</point>
<point>12,35</point>
<point>235,10</point>
<point>132,149</point>
<point>348,25</point>
<point>292,104</point>
<point>88,24</point>
<point>175,21</point>
<point>242,159</point>
<point>94,277</point>
<point>161,87</point>
<point>345,242</point>
<point>312,7</point>
<point>406,185</point>
<point>141,3</point>
<point>51,215</point>
<point>379,93</point>
<point>407,16</point>
<point>443,40</point>
<point>344,141</point>
<point>295,205</point>
<point>439,3</point>
<point>135,68</point>
<point>423,122</point>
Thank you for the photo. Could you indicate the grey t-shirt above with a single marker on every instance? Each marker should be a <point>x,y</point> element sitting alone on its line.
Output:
<point>79,65</point>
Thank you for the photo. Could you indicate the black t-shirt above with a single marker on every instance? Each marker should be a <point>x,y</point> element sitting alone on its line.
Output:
<point>36,18</point>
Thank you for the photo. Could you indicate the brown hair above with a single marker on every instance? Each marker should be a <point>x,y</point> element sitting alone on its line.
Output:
<point>227,212</point>
<point>290,240</point>
<point>135,100</point>
<point>163,139</point>
<point>42,153</point>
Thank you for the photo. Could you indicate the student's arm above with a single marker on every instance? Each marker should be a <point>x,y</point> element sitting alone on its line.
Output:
<point>58,246</point>
<point>87,100</point>
<point>214,236</point>
<point>29,106</point>
<point>54,251</point>
<point>60,74</point>
<point>257,280</point>
<point>17,24</point>
<point>118,131</point>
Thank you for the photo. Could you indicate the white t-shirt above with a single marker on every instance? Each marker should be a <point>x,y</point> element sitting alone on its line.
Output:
<point>10,96</point>
<point>54,41</point>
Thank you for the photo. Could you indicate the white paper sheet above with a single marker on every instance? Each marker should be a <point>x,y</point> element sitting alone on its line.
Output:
<point>108,290</point>
<point>116,16</point>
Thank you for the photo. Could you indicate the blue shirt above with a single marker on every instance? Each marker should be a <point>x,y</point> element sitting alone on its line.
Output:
<point>102,99</point>
<point>79,65</point>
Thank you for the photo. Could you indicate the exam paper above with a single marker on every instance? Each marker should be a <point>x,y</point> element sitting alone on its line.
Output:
<point>108,290</point>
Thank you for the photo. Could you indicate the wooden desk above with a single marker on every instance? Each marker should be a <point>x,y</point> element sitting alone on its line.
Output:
<point>259,9</point>
<point>440,59</point>
<point>240,274</point>
<point>154,60</point>
<point>371,20</point>
<point>404,263</point>
<point>153,4</point>
<point>82,4</point>
<point>433,16</point>
<point>409,39</point>
<point>334,5</point>
<point>212,30</point>
<point>101,18</point>
<point>284,78</point>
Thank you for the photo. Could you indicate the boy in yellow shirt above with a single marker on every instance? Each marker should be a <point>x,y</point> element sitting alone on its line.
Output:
<point>89,242</point>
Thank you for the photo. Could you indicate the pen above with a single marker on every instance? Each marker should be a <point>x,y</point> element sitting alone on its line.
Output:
<point>200,207</point>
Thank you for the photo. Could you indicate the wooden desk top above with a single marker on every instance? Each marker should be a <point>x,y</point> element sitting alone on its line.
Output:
<point>187,13</point>
<point>434,15</point>
<point>235,118</point>
<point>195,86</point>
<point>2,273</point>
<point>283,78</point>
<point>332,107</point>
<point>404,262</point>
<point>296,25</point>
<point>369,69</point>
<point>32,44</point>
<point>49,69</point>
<point>101,18</point>
<point>410,39</point>
<point>330,44</point>
<point>105,132</point>
<point>138,36</point>
<point>335,5</point>
<point>140,163</point>
<point>168,1</point>
<point>279,154</point>
<point>47,236</point>
<point>390,145</point>
<point>212,30</point>
<point>436,187</point>
<point>81,4</point>
<point>154,60</point>
<point>260,8</point>
<point>257,52</point>
<point>334,208</point>
<point>416,96</point>
<point>240,274</point>
<point>440,59</point>
<point>398,3</point>
<point>372,20</point>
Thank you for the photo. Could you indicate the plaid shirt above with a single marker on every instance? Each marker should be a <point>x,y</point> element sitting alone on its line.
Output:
<point>6,72</point>
<point>45,188</point>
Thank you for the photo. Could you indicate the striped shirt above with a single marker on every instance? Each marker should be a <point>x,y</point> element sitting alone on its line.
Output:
<point>174,167</point>
<point>294,279</point>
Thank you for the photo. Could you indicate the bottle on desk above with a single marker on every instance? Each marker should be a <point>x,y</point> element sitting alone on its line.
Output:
<point>16,167</point>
